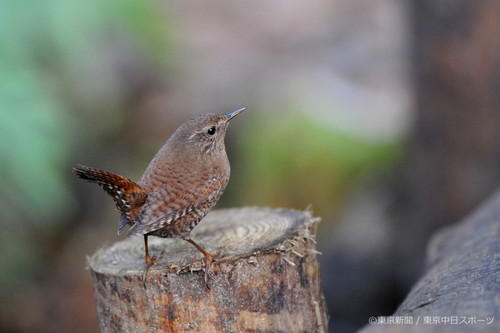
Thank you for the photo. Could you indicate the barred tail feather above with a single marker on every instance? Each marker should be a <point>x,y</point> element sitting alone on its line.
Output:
<point>124,220</point>
<point>127,195</point>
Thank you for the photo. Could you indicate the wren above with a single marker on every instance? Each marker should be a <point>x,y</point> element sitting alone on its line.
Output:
<point>181,184</point>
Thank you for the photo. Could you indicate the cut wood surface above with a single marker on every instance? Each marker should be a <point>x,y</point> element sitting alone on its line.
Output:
<point>265,280</point>
<point>461,282</point>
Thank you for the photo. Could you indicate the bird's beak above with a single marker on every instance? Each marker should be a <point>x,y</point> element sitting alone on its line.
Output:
<point>233,114</point>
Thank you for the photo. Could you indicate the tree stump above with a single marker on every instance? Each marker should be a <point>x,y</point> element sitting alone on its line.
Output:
<point>265,280</point>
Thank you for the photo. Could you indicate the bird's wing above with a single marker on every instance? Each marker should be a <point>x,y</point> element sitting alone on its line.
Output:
<point>169,204</point>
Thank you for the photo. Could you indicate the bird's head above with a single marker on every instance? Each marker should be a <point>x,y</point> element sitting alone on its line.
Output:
<point>205,132</point>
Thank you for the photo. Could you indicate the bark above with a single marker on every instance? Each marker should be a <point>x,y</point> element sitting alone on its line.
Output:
<point>266,280</point>
<point>454,153</point>
<point>462,279</point>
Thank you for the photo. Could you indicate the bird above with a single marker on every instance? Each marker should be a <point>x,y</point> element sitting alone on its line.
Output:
<point>183,181</point>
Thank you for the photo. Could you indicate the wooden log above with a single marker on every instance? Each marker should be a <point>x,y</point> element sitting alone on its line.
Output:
<point>460,290</point>
<point>266,280</point>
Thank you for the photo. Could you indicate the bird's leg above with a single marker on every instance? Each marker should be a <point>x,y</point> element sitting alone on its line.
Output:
<point>149,260</point>
<point>209,258</point>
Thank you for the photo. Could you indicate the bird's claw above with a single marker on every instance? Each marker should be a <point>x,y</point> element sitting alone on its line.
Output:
<point>209,259</point>
<point>150,261</point>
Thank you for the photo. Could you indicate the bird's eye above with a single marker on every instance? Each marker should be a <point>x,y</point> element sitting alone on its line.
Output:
<point>211,131</point>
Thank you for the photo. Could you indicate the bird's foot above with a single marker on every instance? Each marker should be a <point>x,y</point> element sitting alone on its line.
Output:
<point>208,272</point>
<point>209,259</point>
<point>150,261</point>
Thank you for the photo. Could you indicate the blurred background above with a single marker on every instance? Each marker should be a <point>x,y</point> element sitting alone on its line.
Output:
<point>382,114</point>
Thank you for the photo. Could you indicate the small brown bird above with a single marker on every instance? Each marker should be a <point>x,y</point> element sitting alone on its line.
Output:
<point>182,183</point>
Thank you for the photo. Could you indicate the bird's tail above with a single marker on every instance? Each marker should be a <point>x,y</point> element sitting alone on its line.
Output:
<point>127,194</point>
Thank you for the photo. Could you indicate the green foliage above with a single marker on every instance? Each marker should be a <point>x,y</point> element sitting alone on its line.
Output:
<point>293,160</point>
<point>32,138</point>
<point>54,64</point>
